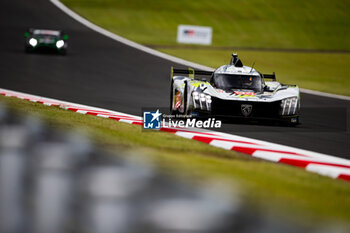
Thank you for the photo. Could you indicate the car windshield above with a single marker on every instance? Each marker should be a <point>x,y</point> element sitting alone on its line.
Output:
<point>46,32</point>
<point>234,81</point>
<point>47,36</point>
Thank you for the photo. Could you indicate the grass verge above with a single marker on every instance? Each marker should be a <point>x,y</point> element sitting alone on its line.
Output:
<point>287,190</point>
<point>314,24</point>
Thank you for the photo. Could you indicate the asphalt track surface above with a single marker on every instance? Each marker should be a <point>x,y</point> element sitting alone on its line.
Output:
<point>101,72</point>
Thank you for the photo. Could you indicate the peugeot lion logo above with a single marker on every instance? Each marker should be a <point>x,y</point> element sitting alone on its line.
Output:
<point>246,109</point>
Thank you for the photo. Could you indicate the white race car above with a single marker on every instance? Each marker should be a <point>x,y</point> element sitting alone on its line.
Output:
<point>233,90</point>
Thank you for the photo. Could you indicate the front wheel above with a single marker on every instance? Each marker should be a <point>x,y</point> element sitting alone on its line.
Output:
<point>172,100</point>
<point>63,52</point>
<point>185,100</point>
<point>28,49</point>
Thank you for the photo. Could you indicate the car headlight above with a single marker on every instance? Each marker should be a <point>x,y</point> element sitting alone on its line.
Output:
<point>208,97</point>
<point>201,101</point>
<point>289,106</point>
<point>59,44</point>
<point>33,42</point>
<point>195,95</point>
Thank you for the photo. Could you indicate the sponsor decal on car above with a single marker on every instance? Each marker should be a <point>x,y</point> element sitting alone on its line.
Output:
<point>178,100</point>
<point>220,91</point>
<point>244,93</point>
<point>246,109</point>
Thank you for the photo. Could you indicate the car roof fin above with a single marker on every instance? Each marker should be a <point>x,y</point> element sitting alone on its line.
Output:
<point>190,73</point>
<point>236,61</point>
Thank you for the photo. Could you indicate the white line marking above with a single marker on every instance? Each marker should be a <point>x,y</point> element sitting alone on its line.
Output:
<point>222,144</point>
<point>324,94</point>
<point>185,134</point>
<point>102,115</point>
<point>81,112</point>
<point>126,121</point>
<point>145,49</point>
<point>325,170</point>
<point>63,104</point>
<point>267,156</point>
<point>124,40</point>
<point>277,156</point>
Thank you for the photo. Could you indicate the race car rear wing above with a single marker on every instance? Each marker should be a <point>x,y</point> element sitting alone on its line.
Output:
<point>190,72</point>
<point>270,76</point>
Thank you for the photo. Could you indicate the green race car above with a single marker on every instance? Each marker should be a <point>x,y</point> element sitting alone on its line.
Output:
<point>43,40</point>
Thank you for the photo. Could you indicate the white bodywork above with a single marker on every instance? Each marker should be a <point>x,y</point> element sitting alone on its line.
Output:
<point>272,91</point>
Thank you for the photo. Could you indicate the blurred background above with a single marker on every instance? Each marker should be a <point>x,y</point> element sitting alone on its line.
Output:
<point>55,181</point>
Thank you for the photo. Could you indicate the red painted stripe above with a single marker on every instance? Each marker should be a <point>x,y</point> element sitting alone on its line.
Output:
<point>169,130</point>
<point>245,150</point>
<point>93,110</point>
<point>174,130</point>
<point>72,109</point>
<point>96,112</point>
<point>47,102</point>
<point>200,136</point>
<point>203,139</point>
<point>114,118</point>
<point>122,117</point>
<point>231,140</point>
<point>250,151</point>
<point>209,139</point>
<point>304,163</point>
<point>344,177</point>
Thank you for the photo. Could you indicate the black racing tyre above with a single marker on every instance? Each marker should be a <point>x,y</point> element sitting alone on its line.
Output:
<point>185,98</point>
<point>28,49</point>
<point>173,112</point>
<point>63,52</point>
<point>171,96</point>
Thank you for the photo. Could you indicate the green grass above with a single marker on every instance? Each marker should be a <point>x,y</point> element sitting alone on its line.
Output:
<point>319,24</point>
<point>314,24</point>
<point>289,191</point>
